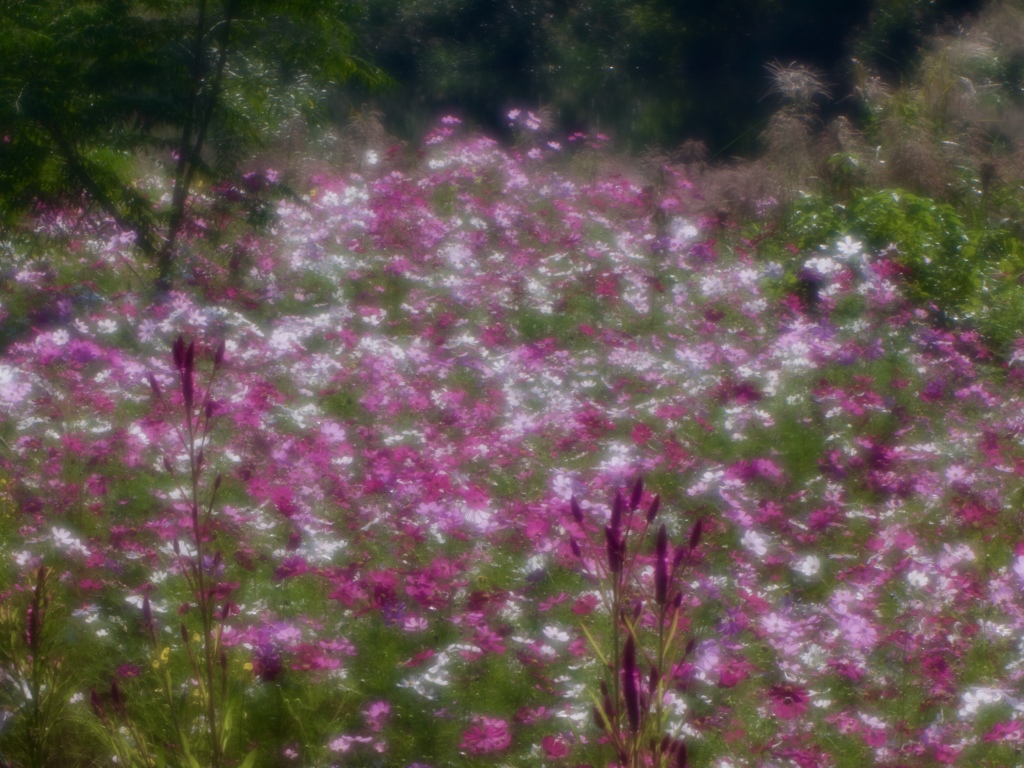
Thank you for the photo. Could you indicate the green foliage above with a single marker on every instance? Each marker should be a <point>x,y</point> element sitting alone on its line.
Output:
<point>87,87</point>
<point>929,238</point>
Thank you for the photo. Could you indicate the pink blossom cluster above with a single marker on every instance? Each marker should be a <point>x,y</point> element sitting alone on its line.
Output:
<point>425,362</point>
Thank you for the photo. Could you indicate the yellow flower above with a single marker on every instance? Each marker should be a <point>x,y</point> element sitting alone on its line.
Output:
<point>165,654</point>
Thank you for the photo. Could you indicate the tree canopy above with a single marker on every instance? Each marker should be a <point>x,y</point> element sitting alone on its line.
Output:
<point>86,87</point>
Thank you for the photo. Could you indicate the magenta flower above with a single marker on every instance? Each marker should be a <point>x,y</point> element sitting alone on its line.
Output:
<point>787,701</point>
<point>488,734</point>
<point>554,747</point>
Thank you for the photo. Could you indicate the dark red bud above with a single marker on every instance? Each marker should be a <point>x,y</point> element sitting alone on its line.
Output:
<point>218,356</point>
<point>223,661</point>
<point>217,481</point>
<point>190,357</point>
<point>630,689</point>
<point>608,707</point>
<point>96,704</point>
<point>187,390</point>
<point>178,350</point>
<point>199,459</point>
<point>598,720</point>
<point>153,385</point>
<point>654,679</point>
<point>208,408</point>
<point>575,547</point>
<point>616,521</point>
<point>690,645</point>
<point>176,546</point>
<point>184,633</point>
<point>614,549</point>
<point>577,513</point>
<point>32,630</point>
<point>695,533</point>
<point>652,511</point>
<point>637,494</point>
<point>680,554</point>
<point>115,697</point>
<point>681,754</point>
<point>167,465</point>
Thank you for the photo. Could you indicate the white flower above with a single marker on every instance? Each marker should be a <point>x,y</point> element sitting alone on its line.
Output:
<point>555,634</point>
<point>917,579</point>
<point>808,566</point>
<point>755,542</point>
<point>978,697</point>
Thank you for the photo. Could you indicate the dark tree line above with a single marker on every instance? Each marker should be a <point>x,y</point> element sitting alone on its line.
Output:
<point>650,71</point>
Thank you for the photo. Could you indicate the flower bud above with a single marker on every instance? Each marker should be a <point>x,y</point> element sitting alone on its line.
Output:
<point>616,521</point>
<point>680,554</point>
<point>218,356</point>
<point>681,761</point>
<point>577,513</point>
<point>637,494</point>
<point>187,391</point>
<point>613,546</point>
<point>96,704</point>
<point>178,351</point>
<point>575,547</point>
<point>652,511</point>
<point>695,533</point>
<point>147,618</point>
<point>116,698</point>
<point>153,385</point>
<point>630,689</point>
<point>661,567</point>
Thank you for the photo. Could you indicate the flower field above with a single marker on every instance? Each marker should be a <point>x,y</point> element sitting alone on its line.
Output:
<point>363,491</point>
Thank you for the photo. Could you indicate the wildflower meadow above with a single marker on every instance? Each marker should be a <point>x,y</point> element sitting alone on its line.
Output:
<point>485,455</point>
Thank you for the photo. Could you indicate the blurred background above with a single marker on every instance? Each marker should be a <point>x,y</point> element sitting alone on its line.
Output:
<point>645,72</point>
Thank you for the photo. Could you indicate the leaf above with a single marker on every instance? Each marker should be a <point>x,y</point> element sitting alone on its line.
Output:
<point>250,760</point>
<point>593,644</point>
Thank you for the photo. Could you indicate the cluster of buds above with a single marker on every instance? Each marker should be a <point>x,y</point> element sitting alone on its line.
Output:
<point>207,656</point>
<point>630,711</point>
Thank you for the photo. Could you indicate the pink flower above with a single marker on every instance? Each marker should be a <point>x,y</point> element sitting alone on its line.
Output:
<point>376,715</point>
<point>787,701</point>
<point>554,747</point>
<point>1009,730</point>
<point>488,734</point>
